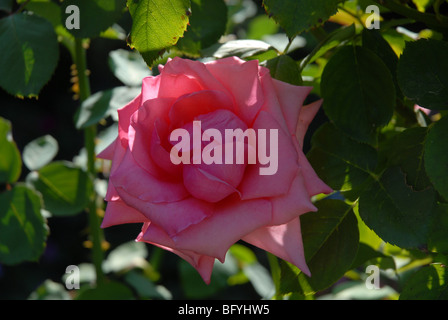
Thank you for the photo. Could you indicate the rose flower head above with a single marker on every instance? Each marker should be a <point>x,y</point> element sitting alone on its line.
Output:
<point>209,154</point>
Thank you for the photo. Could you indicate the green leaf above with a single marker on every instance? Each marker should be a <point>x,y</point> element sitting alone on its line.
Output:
<point>374,41</point>
<point>6,5</point>
<point>437,240</point>
<point>125,256</point>
<point>423,73</point>
<point>207,24</point>
<point>128,66</point>
<point>40,152</point>
<point>296,16</point>
<point>436,156</point>
<point>103,104</point>
<point>334,39</point>
<point>65,189</point>
<point>359,93</point>
<point>343,163</point>
<point>112,290</point>
<point>23,230</point>
<point>397,213</point>
<point>285,69</point>
<point>10,161</point>
<point>29,55</point>
<point>50,290</point>
<point>429,283</point>
<point>367,255</point>
<point>95,15</point>
<point>157,25</point>
<point>330,239</point>
<point>240,48</point>
<point>406,151</point>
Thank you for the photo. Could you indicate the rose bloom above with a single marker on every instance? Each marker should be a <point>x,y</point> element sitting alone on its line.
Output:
<point>198,211</point>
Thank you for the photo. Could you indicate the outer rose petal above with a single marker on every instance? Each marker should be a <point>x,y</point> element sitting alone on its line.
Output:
<point>284,241</point>
<point>291,99</point>
<point>118,212</point>
<point>228,224</point>
<point>296,202</point>
<point>203,264</point>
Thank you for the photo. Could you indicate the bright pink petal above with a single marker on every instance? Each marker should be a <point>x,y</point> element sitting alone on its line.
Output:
<point>284,241</point>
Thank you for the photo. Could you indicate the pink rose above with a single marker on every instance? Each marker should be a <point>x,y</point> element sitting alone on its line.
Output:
<point>198,211</point>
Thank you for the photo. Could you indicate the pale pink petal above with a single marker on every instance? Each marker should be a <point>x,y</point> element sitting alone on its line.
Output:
<point>182,76</point>
<point>154,235</point>
<point>255,185</point>
<point>296,202</point>
<point>243,82</point>
<point>118,212</point>
<point>291,99</point>
<point>189,106</point>
<point>124,119</point>
<point>172,217</point>
<point>129,177</point>
<point>284,241</point>
<point>229,223</point>
<point>313,183</point>
<point>108,152</point>
<point>141,131</point>
<point>307,114</point>
<point>205,186</point>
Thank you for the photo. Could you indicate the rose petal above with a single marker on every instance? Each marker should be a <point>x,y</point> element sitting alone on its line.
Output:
<point>132,179</point>
<point>242,80</point>
<point>118,212</point>
<point>154,235</point>
<point>124,119</point>
<point>294,203</point>
<point>255,185</point>
<point>229,223</point>
<point>306,115</point>
<point>189,106</point>
<point>172,217</point>
<point>291,99</point>
<point>141,131</point>
<point>284,241</point>
<point>313,183</point>
<point>205,186</point>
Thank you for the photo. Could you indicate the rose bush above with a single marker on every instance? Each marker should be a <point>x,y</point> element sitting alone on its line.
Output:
<point>198,211</point>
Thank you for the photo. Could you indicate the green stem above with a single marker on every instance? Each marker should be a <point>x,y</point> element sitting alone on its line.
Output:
<point>96,233</point>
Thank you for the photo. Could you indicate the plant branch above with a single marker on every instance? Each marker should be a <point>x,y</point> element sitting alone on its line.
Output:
<point>89,141</point>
